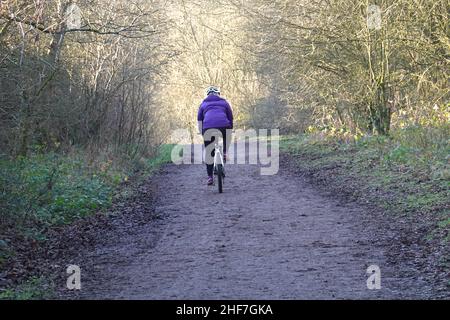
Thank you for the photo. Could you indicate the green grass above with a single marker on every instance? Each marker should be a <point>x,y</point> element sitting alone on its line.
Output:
<point>163,156</point>
<point>5,251</point>
<point>445,223</point>
<point>32,289</point>
<point>54,189</point>
<point>47,190</point>
<point>412,165</point>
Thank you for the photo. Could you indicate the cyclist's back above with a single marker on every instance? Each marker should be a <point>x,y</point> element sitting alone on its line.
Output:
<point>215,112</point>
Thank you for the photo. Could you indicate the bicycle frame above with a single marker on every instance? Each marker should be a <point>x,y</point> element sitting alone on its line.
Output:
<point>218,158</point>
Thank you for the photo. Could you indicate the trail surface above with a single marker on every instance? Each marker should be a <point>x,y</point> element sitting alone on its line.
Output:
<point>265,237</point>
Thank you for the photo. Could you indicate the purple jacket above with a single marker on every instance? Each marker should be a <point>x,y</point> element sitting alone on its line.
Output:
<point>215,112</point>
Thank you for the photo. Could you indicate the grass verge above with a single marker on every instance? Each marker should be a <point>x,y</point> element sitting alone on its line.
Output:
<point>411,168</point>
<point>406,174</point>
<point>47,191</point>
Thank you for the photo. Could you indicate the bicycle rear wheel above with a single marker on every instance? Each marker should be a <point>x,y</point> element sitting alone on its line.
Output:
<point>220,176</point>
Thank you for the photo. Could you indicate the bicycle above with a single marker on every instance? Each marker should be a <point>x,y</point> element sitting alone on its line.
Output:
<point>219,167</point>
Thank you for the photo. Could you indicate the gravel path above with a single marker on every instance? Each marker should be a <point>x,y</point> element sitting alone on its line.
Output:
<point>265,237</point>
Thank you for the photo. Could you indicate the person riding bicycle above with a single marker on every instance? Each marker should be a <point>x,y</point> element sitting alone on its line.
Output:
<point>215,113</point>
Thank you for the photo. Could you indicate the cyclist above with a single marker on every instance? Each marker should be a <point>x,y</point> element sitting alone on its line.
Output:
<point>215,113</point>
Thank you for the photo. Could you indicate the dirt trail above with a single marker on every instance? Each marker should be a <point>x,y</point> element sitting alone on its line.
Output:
<point>265,237</point>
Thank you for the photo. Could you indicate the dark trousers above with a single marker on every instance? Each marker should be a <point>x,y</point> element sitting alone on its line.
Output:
<point>215,133</point>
